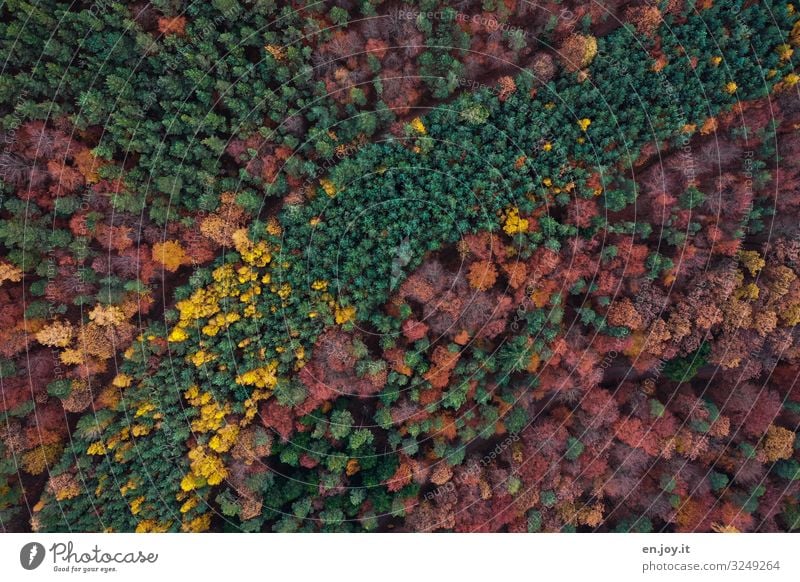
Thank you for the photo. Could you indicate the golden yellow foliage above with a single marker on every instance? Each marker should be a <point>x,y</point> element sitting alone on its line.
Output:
<point>284,291</point>
<point>251,404</point>
<point>198,524</point>
<point>752,260</point>
<point>138,430</point>
<point>513,223</point>
<point>64,487</point>
<point>107,315</point>
<point>152,526</point>
<point>190,504</point>
<point>256,254</point>
<point>96,448</point>
<point>170,254</point>
<point>136,505</point>
<point>784,51</point>
<point>71,357</point>
<point>202,357</point>
<point>273,226</point>
<point>747,292</point>
<point>58,334</point>
<point>224,439</point>
<point>263,377</point>
<point>791,80</point>
<point>211,417</point>
<point>130,485</point>
<point>328,187</point>
<point>345,314</point>
<point>779,443</point>
<point>417,125</point>
<point>144,409</point>
<point>122,381</point>
<point>9,272</point>
<point>37,460</point>
<point>207,466</point>
<point>791,315</point>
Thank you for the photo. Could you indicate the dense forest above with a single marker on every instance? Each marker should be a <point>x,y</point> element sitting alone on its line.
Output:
<point>368,265</point>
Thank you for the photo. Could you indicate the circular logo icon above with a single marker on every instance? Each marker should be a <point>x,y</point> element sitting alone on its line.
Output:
<point>31,555</point>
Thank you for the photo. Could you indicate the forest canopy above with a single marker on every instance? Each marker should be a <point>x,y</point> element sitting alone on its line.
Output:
<point>490,266</point>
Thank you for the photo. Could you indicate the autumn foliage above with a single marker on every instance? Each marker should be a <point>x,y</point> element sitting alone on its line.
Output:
<point>339,268</point>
